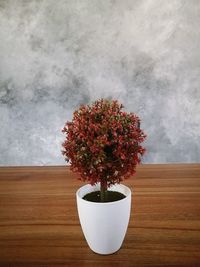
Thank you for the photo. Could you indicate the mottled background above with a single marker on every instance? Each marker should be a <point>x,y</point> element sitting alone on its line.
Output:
<point>55,55</point>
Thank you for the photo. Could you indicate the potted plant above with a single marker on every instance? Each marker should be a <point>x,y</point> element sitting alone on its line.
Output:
<point>103,144</point>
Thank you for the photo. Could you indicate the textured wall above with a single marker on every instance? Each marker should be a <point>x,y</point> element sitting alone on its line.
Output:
<point>55,55</point>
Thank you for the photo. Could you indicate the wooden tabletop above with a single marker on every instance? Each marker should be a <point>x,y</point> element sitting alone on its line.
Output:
<point>39,225</point>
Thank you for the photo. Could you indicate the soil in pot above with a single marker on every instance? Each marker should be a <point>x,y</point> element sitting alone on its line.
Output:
<point>110,196</point>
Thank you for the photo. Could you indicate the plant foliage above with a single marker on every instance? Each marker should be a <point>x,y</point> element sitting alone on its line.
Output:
<point>103,143</point>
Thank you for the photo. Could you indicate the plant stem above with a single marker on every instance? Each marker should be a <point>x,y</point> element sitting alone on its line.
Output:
<point>103,191</point>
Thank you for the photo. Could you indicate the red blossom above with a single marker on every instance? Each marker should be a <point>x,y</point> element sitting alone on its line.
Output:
<point>103,142</point>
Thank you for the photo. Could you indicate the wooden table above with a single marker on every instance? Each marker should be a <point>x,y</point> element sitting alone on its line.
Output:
<point>39,225</point>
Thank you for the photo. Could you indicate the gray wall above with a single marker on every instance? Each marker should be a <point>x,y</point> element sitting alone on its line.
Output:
<point>55,55</point>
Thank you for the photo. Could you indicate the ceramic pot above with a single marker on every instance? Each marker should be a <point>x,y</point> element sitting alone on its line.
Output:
<point>104,225</point>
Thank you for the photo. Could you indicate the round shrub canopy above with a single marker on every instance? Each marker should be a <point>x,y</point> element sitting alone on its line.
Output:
<point>103,143</point>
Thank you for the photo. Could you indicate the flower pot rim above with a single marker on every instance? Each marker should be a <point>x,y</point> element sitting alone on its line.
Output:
<point>103,203</point>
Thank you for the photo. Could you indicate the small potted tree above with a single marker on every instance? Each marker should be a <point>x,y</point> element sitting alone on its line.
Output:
<point>103,145</point>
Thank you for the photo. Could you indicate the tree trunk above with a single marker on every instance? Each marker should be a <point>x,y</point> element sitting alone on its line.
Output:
<point>103,191</point>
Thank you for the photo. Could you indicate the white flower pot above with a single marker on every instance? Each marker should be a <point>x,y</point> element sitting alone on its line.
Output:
<point>104,225</point>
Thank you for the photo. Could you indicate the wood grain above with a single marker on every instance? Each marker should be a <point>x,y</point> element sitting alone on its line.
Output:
<point>39,224</point>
